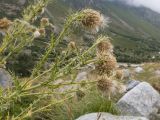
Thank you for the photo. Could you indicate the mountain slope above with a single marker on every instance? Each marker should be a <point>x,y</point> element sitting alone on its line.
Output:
<point>11,8</point>
<point>135,31</point>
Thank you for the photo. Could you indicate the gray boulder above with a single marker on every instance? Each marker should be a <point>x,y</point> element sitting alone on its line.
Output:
<point>5,79</point>
<point>138,69</point>
<point>142,100</point>
<point>107,116</point>
<point>131,84</point>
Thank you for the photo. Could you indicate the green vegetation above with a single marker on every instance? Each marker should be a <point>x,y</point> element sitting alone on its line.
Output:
<point>72,109</point>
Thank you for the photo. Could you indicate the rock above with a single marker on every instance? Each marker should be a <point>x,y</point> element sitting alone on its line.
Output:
<point>156,113</point>
<point>88,67</point>
<point>131,84</point>
<point>122,65</point>
<point>10,9</point>
<point>140,101</point>
<point>65,87</point>
<point>157,72</point>
<point>135,65</point>
<point>138,69</point>
<point>5,78</point>
<point>107,116</point>
<point>22,2</point>
<point>81,76</point>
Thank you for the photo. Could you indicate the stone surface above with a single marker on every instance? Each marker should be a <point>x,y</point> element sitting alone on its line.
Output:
<point>81,76</point>
<point>107,116</point>
<point>87,68</point>
<point>131,84</point>
<point>5,78</point>
<point>140,101</point>
<point>157,72</point>
<point>22,2</point>
<point>138,69</point>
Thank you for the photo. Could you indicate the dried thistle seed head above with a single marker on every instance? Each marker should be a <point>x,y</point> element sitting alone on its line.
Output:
<point>106,64</point>
<point>44,22</point>
<point>105,46</point>
<point>104,84</point>
<point>92,19</point>
<point>72,45</point>
<point>42,31</point>
<point>110,87</point>
<point>4,23</point>
<point>119,74</point>
<point>36,34</point>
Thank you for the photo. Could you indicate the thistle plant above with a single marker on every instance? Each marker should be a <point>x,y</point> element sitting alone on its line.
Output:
<point>38,93</point>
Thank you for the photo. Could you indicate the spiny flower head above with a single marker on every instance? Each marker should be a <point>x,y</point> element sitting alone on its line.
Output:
<point>106,64</point>
<point>42,31</point>
<point>105,46</point>
<point>108,86</point>
<point>72,45</point>
<point>4,23</point>
<point>44,22</point>
<point>93,19</point>
<point>104,84</point>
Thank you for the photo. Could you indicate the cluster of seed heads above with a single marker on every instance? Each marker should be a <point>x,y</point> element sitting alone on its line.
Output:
<point>41,31</point>
<point>106,61</point>
<point>106,67</point>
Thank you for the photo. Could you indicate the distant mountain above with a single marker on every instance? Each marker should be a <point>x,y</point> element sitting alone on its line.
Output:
<point>135,30</point>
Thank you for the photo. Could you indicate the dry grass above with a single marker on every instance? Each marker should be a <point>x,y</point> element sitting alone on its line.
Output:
<point>149,74</point>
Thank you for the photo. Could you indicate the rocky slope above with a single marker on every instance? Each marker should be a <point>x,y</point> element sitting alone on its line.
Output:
<point>11,8</point>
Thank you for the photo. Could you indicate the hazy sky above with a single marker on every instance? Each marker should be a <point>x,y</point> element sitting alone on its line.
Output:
<point>152,4</point>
